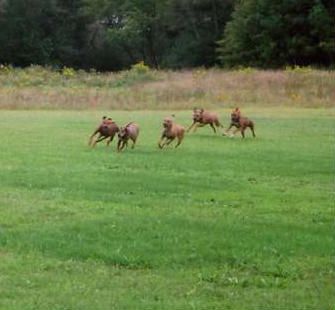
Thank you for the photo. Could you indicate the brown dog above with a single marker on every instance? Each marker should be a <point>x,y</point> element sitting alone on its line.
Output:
<point>106,130</point>
<point>241,123</point>
<point>170,132</point>
<point>202,118</point>
<point>130,131</point>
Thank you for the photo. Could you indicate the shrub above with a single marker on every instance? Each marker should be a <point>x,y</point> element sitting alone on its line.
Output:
<point>138,73</point>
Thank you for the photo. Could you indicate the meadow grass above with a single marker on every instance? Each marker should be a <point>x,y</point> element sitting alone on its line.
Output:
<point>218,223</point>
<point>143,89</point>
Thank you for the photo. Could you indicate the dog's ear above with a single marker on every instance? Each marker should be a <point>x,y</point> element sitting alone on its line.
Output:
<point>104,117</point>
<point>127,126</point>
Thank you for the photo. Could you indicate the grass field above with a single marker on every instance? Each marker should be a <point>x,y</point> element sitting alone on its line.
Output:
<point>218,223</point>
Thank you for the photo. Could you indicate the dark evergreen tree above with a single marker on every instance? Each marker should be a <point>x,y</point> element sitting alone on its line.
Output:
<point>163,33</point>
<point>114,34</point>
<point>193,27</point>
<point>25,26</point>
<point>46,32</point>
<point>273,33</point>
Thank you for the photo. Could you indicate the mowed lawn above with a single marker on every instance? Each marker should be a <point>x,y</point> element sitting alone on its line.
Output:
<point>218,223</point>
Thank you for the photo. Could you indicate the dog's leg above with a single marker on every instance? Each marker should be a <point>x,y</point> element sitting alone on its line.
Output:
<point>111,139</point>
<point>99,139</point>
<point>252,130</point>
<point>198,125</point>
<point>189,128</point>
<point>134,142</point>
<point>90,141</point>
<point>213,127</point>
<point>119,145</point>
<point>227,131</point>
<point>235,131</point>
<point>242,132</point>
<point>179,141</point>
<point>162,141</point>
<point>165,142</point>
<point>169,141</point>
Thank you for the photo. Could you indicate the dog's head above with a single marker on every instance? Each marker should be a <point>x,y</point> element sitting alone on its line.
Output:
<point>167,122</point>
<point>197,114</point>
<point>123,132</point>
<point>107,121</point>
<point>235,115</point>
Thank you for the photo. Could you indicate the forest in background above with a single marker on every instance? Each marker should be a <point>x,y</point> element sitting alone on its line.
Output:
<point>111,35</point>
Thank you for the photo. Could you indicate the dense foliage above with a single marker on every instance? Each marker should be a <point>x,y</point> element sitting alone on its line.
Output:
<point>115,34</point>
<point>275,33</point>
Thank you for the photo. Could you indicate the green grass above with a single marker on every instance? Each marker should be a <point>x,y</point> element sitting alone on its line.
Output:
<point>218,223</point>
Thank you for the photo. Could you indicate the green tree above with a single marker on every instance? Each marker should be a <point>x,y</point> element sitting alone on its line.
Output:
<point>132,27</point>
<point>42,32</point>
<point>273,33</point>
<point>24,31</point>
<point>193,27</point>
<point>163,33</point>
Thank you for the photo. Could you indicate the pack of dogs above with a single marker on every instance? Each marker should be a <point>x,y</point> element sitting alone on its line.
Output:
<point>108,129</point>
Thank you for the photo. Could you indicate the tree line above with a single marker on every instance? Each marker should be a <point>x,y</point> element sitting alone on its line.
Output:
<point>114,34</point>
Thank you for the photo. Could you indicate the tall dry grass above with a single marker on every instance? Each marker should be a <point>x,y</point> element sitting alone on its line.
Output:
<point>140,88</point>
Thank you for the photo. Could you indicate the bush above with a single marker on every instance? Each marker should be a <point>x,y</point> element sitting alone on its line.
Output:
<point>138,73</point>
